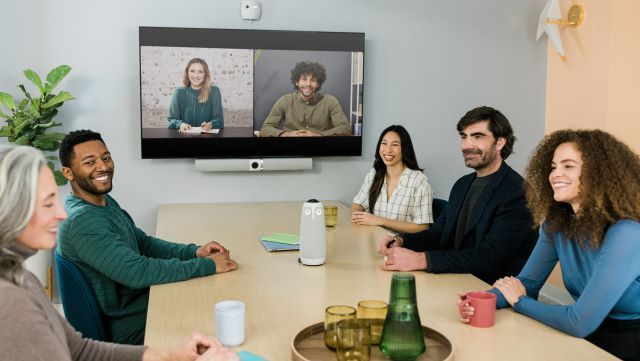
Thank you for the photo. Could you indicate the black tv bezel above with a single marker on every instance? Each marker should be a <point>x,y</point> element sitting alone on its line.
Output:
<point>208,148</point>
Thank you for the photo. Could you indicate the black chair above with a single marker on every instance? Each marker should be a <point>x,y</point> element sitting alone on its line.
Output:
<point>79,302</point>
<point>439,205</point>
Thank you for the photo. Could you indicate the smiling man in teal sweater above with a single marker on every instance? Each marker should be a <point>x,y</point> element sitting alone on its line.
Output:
<point>119,260</point>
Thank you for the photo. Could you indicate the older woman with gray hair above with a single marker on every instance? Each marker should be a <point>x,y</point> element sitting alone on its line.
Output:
<point>30,328</point>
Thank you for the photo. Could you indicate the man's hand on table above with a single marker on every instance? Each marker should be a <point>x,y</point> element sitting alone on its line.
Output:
<point>209,249</point>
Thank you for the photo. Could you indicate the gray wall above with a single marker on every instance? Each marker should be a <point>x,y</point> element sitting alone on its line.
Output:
<point>426,63</point>
<point>273,78</point>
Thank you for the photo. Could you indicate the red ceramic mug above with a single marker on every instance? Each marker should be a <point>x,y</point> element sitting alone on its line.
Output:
<point>484,304</point>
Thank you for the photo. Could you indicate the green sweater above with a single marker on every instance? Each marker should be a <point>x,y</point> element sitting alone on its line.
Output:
<point>322,114</point>
<point>186,108</point>
<point>120,261</point>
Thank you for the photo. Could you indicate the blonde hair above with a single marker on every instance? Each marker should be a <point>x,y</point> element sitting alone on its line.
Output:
<point>19,171</point>
<point>205,89</point>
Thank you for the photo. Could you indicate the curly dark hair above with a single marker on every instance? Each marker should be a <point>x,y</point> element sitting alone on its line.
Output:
<point>316,70</point>
<point>609,187</point>
<point>498,125</point>
<point>70,140</point>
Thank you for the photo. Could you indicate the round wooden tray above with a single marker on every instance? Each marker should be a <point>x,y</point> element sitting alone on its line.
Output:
<point>308,345</point>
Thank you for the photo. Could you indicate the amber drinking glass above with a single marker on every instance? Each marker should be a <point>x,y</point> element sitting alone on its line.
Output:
<point>354,340</point>
<point>332,315</point>
<point>374,312</point>
<point>330,216</point>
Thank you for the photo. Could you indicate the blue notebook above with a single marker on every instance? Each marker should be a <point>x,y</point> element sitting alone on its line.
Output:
<point>248,356</point>
<point>276,246</point>
<point>282,238</point>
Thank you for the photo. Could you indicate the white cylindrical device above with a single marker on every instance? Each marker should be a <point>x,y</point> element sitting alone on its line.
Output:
<point>313,240</point>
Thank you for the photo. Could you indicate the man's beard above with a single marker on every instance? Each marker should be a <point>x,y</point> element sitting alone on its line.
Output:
<point>480,163</point>
<point>88,187</point>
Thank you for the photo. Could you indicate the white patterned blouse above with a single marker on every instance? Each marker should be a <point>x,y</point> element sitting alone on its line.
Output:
<point>410,201</point>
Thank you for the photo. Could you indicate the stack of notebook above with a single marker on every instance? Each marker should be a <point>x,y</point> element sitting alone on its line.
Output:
<point>280,242</point>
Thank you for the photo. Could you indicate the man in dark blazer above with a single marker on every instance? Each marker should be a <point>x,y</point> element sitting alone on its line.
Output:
<point>486,228</point>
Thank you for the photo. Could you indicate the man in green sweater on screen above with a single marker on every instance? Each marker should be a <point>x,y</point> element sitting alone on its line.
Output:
<point>119,260</point>
<point>306,112</point>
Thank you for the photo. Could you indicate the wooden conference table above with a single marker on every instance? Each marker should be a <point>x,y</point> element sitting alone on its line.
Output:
<point>283,297</point>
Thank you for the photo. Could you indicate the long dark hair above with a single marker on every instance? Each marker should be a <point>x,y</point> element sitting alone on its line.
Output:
<point>408,159</point>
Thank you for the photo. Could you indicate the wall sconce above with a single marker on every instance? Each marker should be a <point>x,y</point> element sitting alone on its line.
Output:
<point>549,20</point>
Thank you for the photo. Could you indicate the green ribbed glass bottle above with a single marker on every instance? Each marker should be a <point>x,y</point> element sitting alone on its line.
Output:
<point>402,337</point>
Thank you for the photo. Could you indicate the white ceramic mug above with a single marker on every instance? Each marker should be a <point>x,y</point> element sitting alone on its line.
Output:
<point>230,322</point>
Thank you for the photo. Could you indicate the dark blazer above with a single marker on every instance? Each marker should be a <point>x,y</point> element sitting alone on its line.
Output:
<point>499,239</point>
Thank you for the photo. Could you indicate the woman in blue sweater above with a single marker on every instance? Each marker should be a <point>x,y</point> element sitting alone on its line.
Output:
<point>584,188</point>
<point>199,103</point>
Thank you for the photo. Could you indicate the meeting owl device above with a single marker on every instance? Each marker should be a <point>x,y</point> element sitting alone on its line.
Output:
<point>313,241</point>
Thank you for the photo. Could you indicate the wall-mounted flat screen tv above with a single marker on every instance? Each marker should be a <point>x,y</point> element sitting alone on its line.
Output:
<point>226,93</point>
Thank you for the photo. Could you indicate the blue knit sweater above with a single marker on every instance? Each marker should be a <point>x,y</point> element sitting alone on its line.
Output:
<point>604,282</point>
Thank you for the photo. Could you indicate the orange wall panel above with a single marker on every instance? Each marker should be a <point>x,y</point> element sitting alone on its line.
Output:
<point>599,86</point>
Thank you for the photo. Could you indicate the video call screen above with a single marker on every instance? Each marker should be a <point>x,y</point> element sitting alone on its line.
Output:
<point>251,70</point>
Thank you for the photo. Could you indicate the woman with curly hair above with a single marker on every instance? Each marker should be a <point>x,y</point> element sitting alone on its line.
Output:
<point>584,188</point>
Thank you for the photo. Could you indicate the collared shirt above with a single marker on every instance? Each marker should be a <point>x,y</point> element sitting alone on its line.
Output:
<point>410,201</point>
<point>316,98</point>
<point>322,114</point>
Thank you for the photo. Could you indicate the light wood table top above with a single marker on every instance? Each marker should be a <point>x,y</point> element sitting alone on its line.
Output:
<point>283,297</point>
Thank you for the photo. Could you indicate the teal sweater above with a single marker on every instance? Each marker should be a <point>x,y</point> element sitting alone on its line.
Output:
<point>604,281</point>
<point>185,108</point>
<point>120,261</point>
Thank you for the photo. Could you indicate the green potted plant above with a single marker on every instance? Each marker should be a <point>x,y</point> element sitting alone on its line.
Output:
<point>30,120</point>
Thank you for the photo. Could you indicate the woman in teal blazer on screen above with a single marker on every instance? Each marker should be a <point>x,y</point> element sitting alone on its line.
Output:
<point>197,104</point>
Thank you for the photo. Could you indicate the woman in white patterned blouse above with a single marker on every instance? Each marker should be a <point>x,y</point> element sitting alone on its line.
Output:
<point>396,187</point>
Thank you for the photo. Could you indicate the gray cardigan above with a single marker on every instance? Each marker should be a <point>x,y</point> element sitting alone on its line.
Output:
<point>32,330</point>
